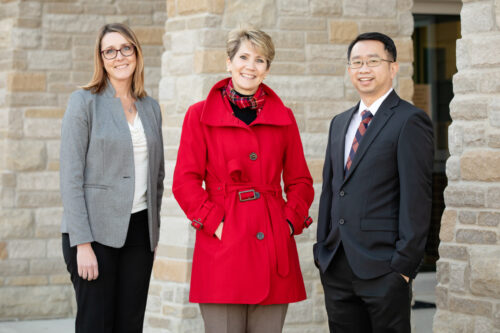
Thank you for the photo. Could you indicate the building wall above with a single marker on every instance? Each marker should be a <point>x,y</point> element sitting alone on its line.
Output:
<point>309,74</point>
<point>468,291</point>
<point>46,50</point>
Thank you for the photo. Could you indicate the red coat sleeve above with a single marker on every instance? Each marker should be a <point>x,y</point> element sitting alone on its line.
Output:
<point>189,174</point>
<point>298,181</point>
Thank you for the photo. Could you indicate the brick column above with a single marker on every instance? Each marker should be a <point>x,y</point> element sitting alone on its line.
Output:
<point>46,53</point>
<point>468,291</point>
<point>309,74</point>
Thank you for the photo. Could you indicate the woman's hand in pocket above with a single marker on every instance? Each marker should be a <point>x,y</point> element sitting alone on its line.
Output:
<point>218,231</point>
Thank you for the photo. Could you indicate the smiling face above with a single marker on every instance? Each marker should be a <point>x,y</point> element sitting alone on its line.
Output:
<point>372,82</point>
<point>248,69</point>
<point>120,68</point>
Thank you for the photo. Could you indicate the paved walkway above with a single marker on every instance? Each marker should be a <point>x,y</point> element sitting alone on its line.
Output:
<point>422,318</point>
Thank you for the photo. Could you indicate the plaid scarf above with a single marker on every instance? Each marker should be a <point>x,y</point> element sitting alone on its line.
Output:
<point>255,102</point>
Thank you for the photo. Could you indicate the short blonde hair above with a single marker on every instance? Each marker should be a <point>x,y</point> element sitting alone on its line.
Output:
<point>99,79</point>
<point>259,39</point>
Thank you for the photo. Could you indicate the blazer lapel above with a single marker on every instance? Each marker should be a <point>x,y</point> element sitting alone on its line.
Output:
<point>378,122</point>
<point>145,117</point>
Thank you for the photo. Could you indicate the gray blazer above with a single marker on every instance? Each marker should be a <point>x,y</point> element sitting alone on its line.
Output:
<point>97,168</point>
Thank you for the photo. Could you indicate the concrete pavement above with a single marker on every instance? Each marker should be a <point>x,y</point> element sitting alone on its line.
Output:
<point>422,318</point>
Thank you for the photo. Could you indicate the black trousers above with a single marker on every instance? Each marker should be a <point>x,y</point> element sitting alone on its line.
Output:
<point>354,305</point>
<point>116,301</point>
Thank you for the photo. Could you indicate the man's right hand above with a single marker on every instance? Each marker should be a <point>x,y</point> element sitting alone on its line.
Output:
<point>86,262</point>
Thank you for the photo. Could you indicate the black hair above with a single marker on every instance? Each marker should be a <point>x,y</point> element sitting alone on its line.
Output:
<point>384,39</point>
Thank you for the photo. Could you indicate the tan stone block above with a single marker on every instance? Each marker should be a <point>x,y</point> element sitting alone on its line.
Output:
<point>473,236</point>
<point>288,39</point>
<point>460,195</point>
<point>30,280</point>
<point>26,249</point>
<point>288,68</point>
<point>490,219</point>
<point>478,165</point>
<point>63,8</point>
<point>42,181</point>
<point>456,252</point>
<point>405,49</point>
<point>42,128</point>
<point>459,275</point>
<point>316,37</point>
<point>493,196</point>
<point>187,7</point>
<point>135,8</point>
<point>316,169</point>
<point>11,267</point>
<point>3,251</point>
<point>443,272</point>
<point>44,113</point>
<point>343,32</point>
<point>448,222</point>
<point>289,55</point>
<point>325,7</point>
<point>470,306</point>
<point>60,279</point>
<point>388,27</point>
<point>171,8</point>
<point>100,9</point>
<point>48,266</point>
<point>53,166</point>
<point>260,14</point>
<point>405,88</point>
<point>176,252</point>
<point>210,61</point>
<point>16,223</point>
<point>150,35</point>
<point>37,199</point>
<point>159,322</point>
<point>302,23</point>
<point>467,217</point>
<point>17,81</point>
<point>172,270</point>
<point>485,271</point>
<point>8,179</point>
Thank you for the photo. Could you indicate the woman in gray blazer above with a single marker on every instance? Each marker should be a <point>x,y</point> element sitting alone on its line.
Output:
<point>112,170</point>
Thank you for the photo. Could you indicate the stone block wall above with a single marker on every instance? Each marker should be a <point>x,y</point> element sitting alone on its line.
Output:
<point>309,74</point>
<point>468,271</point>
<point>46,52</point>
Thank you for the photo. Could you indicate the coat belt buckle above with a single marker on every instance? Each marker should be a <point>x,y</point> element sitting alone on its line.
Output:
<point>255,195</point>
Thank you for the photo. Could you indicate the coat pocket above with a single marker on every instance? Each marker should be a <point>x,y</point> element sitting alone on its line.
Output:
<point>379,224</point>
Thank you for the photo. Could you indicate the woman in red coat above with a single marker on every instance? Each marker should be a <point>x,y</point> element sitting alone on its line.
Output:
<point>241,142</point>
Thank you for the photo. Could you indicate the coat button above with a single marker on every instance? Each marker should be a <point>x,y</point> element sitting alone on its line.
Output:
<point>342,193</point>
<point>341,221</point>
<point>260,235</point>
<point>253,156</point>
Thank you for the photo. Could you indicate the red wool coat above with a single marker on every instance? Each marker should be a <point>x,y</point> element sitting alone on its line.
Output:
<point>241,166</point>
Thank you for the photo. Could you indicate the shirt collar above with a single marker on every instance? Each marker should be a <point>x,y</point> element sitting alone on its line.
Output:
<point>375,105</point>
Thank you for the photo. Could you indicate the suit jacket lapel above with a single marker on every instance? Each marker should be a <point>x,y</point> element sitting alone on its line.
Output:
<point>378,122</point>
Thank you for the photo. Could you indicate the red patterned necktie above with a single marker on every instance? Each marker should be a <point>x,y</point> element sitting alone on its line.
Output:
<point>366,116</point>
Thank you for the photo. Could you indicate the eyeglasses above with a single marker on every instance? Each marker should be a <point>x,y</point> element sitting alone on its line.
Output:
<point>126,51</point>
<point>372,62</point>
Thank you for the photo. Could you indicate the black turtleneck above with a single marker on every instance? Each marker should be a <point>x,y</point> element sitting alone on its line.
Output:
<point>246,115</point>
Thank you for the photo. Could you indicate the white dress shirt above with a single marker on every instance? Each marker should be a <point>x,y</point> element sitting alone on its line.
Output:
<point>356,120</point>
<point>141,164</point>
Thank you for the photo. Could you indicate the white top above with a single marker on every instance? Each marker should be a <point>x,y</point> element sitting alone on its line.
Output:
<point>141,164</point>
<point>356,120</point>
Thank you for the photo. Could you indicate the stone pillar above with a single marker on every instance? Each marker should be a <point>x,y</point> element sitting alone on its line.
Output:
<point>468,291</point>
<point>309,74</point>
<point>46,53</point>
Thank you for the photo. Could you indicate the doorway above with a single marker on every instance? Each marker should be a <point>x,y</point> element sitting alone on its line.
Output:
<point>434,46</point>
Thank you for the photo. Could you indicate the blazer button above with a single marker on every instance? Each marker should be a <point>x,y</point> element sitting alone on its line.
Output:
<point>260,235</point>
<point>341,221</point>
<point>253,156</point>
<point>342,193</point>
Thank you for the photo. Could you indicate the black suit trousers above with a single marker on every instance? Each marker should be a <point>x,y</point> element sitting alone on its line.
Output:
<point>116,301</point>
<point>354,305</point>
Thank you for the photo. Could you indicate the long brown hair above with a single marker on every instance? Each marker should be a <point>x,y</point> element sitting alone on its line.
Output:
<point>100,77</point>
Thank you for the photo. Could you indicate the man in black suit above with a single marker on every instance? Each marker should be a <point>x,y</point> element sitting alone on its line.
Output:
<point>375,204</point>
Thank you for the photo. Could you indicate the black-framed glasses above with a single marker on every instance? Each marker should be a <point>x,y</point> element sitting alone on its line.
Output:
<point>126,51</point>
<point>372,62</point>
